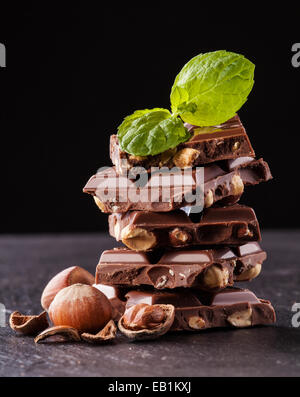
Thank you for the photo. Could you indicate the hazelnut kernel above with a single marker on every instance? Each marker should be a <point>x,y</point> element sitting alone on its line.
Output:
<point>138,239</point>
<point>249,274</point>
<point>185,157</point>
<point>237,185</point>
<point>216,277</point>
<point>209,199</point>
<point>99,204</point>
<point>241,319</point>
<point>178,236</point>
<point>196,322</point>
<point>236,145</point>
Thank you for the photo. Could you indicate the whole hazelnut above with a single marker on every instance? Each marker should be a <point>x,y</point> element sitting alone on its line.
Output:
<point>82,307</point>
<point>65,278</point>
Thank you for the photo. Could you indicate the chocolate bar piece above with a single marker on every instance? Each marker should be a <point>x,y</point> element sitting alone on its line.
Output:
<point>207,269</point>
<point>143,230</point>
<point>221,183</point>
<point>207,144</point>
<point>195,310</point>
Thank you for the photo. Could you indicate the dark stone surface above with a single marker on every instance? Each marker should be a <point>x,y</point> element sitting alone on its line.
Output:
<point>27,263</point>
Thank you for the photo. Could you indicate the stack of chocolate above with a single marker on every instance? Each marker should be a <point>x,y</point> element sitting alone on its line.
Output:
<point>175,254</point>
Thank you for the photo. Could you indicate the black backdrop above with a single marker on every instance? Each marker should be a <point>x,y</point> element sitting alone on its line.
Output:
<point>72,74</point>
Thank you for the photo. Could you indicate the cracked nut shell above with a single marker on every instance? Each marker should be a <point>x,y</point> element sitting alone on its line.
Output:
<point>143,321</point>
<point>28,325</point>
<point>59,333</point>
<point>107,334</point>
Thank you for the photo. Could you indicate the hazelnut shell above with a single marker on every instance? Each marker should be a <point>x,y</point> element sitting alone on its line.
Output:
<point>59,333</point>
<point>107,334</point>
<point>65,278</point>
<point>82,307</point>
<point>153,333</point>
<point>28,325</point>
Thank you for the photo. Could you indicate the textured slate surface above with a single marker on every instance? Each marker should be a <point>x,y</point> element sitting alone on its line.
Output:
<point>27,263</point>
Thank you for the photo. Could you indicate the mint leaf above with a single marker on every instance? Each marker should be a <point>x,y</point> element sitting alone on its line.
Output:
<point>150,132</point>
<point>212,87</point>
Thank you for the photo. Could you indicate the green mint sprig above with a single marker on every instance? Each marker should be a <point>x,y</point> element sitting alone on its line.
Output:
<point>151,131</point>
<point>208,91</point>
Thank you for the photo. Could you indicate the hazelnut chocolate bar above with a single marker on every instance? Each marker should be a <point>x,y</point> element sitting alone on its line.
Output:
<point>195,310</point>
<point>207,144</point>
<point>222,183</point>
<point>144,230</point>
<point>207,269</point>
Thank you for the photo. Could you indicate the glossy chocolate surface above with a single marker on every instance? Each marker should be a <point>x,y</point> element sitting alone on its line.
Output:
<point>176,268</point>
<point>195,311</point>
<point>166,191</point>
<point>233,225</point>
<point>226,141</point>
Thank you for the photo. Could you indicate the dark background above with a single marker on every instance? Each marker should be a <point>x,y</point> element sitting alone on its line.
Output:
<point>73,73</point>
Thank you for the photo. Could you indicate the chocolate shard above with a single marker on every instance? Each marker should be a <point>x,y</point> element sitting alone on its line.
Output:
<point>207,269</point>
<point>196,310</point>
<point>207,144</point>
<point>168,190</point>
<point>144,230</point>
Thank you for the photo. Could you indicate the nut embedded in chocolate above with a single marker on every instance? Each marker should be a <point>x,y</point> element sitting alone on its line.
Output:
<point>179,236</point>
<point>208,199</point>
<point>144,321</point>
<point>244,231</point>
<point>28,325</point>
<point>241,319</point>
<point>197,310</point>
<point>185,157</point>
<point>138,239</point>
<point>166,156</point>
<point>249,274</point>
<point>178,267</point>
<point>143,230</point>
<point>223,183</point>
<point>236,145</point>
<point>216,277</point>
<point>226,141</point>
<point>238,185</point>
<point>196,322</point>
<point>99,203</point>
